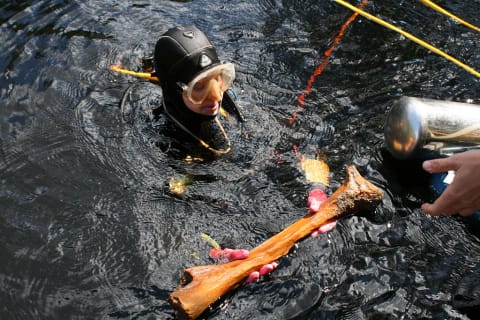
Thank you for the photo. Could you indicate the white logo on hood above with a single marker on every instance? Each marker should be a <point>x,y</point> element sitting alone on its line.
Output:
<point>189,34</point>
<point>205,61</point>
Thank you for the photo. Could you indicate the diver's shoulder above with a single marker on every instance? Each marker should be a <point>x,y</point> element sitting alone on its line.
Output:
<point>230,105</point>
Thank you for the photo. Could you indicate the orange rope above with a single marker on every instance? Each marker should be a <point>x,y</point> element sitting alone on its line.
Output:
<point>297,154</point>
<point>324,62</point>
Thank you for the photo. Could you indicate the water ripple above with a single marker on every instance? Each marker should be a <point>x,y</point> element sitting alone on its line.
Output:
<point>89,226</point>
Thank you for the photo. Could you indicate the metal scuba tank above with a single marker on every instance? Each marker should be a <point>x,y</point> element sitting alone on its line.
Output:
<point>426,128</point>
<point>418,127</point>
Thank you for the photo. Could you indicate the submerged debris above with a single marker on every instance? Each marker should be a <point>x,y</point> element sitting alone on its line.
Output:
<point>316,171</point>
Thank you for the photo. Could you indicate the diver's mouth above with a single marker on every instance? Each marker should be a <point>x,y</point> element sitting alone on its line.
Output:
<point>214,106</point>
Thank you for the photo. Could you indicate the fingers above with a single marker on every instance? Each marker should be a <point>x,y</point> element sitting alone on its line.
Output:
<point>430,209</point>
<point>440,165</point>
<point>435,211</point>
<point>452,201</point>
<point>324,228</point>
<point>460,197</point>
<point>253,277</point>
<point>315,198</point>
<point>227,255</point>
<point>269,267</point>
<point>264,270</point>
<point>445,204</point>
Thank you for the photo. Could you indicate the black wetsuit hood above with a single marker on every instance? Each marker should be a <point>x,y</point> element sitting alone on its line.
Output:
<point>181,53</point>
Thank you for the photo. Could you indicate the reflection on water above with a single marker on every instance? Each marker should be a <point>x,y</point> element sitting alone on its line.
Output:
<point>90,229</point>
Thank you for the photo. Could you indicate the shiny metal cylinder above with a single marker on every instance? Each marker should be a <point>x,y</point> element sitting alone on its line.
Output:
<point>415,124</point>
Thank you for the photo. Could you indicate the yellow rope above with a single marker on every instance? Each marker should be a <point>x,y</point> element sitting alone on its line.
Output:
<point>448,14</point>
<point>145,75</point>
<point>409,36</point>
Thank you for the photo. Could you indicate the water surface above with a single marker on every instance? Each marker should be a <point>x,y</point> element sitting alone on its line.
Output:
<point>90,229</point>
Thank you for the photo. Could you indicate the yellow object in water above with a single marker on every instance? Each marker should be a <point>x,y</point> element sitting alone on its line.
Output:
<point>448,14</point>
<point>409,36</point>
<point>210,240</point>
<point>178,184</point>
<point>316,171</point>
<point>145,75</point>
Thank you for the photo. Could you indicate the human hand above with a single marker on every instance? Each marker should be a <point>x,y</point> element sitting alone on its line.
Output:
<point>462,196</point>
<point>227,255</point>
<point>315,198</point>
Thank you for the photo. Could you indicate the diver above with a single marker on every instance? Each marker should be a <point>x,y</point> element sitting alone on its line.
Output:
<point>197,100</point>
<point>196,87</point>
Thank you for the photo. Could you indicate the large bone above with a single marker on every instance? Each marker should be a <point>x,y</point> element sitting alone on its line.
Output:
<point>203,285</point>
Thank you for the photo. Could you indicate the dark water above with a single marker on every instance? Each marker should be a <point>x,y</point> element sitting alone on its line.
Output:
<point>89,228</point>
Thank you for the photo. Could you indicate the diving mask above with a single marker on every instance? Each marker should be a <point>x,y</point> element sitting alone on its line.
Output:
<point>199,88</point>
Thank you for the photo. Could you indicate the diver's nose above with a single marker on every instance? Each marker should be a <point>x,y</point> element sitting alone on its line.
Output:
<point>215,92</point>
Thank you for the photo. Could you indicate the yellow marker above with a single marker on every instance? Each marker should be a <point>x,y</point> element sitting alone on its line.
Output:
<point>448,14</point>
<point>145,75</point>
<point>409,36</point>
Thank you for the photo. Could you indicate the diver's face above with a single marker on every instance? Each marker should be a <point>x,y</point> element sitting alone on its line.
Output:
<point>211,90</point>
